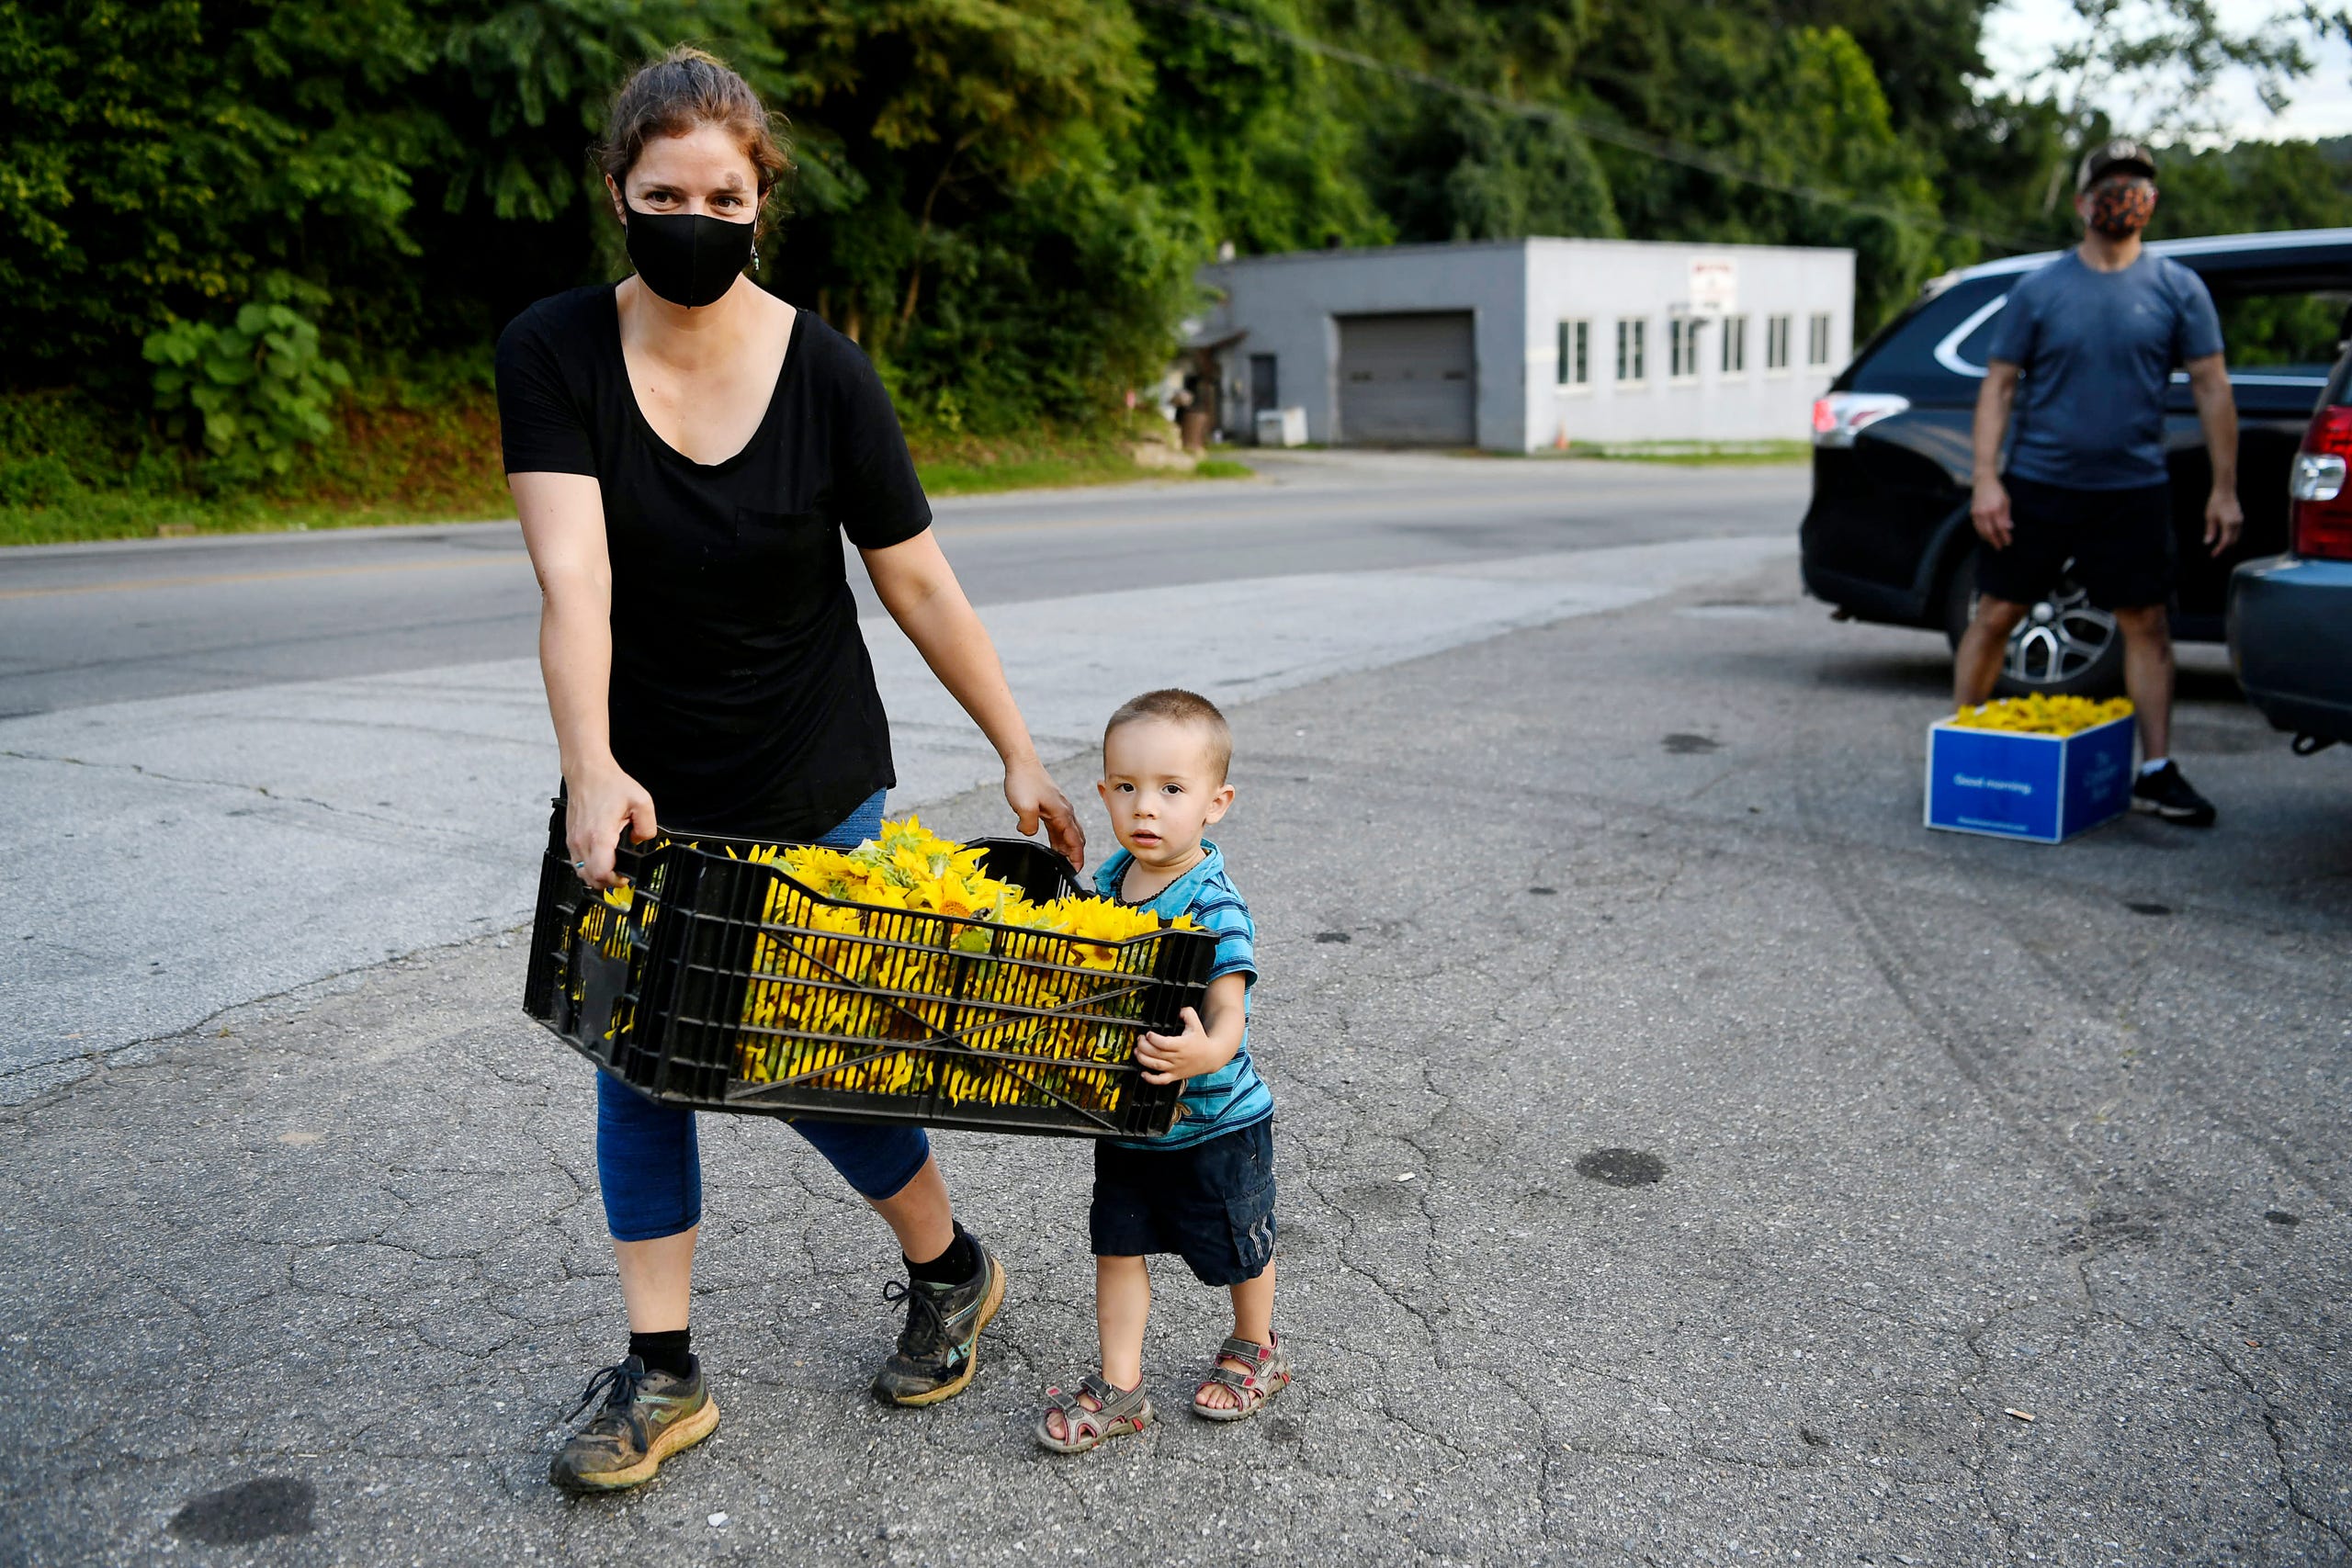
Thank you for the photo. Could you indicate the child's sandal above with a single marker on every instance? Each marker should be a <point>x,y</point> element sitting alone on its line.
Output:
<point>1123,1411</point>
<point>1269,1375</point>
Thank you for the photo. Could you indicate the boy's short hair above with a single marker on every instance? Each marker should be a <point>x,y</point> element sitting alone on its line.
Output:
<point>1180,706</point>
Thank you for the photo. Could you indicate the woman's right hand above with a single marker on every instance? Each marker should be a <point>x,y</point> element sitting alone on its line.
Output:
<point>604,802</point>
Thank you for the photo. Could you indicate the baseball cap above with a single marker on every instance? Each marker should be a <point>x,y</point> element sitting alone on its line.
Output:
<point>2108,156</point>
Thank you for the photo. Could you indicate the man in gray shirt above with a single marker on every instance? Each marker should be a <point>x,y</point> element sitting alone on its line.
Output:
<point>2083,350</point>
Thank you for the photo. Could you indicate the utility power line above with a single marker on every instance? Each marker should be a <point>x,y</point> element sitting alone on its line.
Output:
<point>1648,146</point>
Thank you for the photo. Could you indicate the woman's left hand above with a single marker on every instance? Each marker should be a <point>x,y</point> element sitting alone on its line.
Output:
<point>1035,797</point>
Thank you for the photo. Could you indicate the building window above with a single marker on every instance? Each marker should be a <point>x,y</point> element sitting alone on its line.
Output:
<point>1631,343</point>
<point>1265,388</point>
<point>1576,353</point>
<point>1735,346</point>
<point>1682,347</point>
<point>1817,340</point>
<point>1776,342</point>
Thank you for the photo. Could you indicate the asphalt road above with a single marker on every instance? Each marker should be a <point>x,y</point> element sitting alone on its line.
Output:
<point>84,624</point>
<point>1687,1159</point>
<point>259,761</point>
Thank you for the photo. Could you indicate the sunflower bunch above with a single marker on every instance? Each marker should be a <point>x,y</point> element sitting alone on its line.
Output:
<point>2041,715</point>
<point>604,923</point>
<point>923,943</point>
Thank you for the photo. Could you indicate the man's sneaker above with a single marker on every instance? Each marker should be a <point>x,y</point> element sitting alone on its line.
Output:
<point>2168,794</point>
<point>935,1359</point>
<point>648,1416</point>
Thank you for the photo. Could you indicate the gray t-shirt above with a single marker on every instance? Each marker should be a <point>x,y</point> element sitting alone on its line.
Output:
<point>2097,349</point>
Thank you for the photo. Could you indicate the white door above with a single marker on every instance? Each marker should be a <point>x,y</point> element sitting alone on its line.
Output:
<point>1408,380</point>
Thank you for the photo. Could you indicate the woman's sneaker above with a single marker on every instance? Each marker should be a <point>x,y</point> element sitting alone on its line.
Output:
<point>2168,796</point>
<point>648,1416</point>
<point>936,1355</point>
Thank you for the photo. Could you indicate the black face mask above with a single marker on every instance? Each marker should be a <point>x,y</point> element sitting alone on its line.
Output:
<point>688,258</point>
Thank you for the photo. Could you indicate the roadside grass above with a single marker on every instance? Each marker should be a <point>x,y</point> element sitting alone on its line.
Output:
<point>135,514</point>
<point>1691,454</point>
<point>1028,473</point>
<point>1047,459</point>
<point>423,450</point>
<point>420,455</point>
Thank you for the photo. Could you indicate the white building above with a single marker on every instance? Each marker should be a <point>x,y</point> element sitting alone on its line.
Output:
<point>1513,345</point>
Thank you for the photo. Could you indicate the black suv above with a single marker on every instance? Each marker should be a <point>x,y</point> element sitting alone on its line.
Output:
<point>1887,537</point>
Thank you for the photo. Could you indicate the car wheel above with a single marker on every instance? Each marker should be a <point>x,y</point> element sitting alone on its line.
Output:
<point>2066,646</point>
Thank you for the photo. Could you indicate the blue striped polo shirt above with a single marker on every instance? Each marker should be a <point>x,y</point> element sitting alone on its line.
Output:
<point>1233,1096</point>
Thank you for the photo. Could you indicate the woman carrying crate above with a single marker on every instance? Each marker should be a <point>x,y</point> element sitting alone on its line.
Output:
<point>685,451</point>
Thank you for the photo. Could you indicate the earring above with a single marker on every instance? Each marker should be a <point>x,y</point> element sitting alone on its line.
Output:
<point>755,255</point>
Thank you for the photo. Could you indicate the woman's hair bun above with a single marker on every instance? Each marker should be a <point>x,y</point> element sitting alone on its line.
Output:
<point>684,90</point>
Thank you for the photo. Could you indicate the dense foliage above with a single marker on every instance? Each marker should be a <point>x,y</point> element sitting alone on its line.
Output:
<point>213,208</point>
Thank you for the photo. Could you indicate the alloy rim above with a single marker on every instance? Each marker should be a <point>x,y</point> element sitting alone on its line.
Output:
<point>2061,636</point>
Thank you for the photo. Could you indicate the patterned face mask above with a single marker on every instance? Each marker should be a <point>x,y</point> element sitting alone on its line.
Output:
<point>2120,209</point>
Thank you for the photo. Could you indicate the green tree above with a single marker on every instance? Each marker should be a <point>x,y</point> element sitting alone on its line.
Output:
<point>1469,171</point>
<point>406,174</point>
<point>2169,59</point>
<point>1005,200</point>
<point>944,107</point>
<point>1251,134</point>
<point>967,210</point>
<point>1928,55</point>
<point>155,174</point>
<point>1800,109</point>
<point>370,159</point>
<point>2251,186</point>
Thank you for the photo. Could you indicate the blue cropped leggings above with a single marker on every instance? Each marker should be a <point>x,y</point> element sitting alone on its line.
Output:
<point>651,1167</point>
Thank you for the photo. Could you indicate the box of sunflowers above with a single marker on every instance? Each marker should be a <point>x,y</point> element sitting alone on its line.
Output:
<point>912,979</point>
<point>2040,768</point>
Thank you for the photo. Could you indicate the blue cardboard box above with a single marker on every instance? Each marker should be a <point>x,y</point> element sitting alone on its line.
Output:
<point>2045,788</point>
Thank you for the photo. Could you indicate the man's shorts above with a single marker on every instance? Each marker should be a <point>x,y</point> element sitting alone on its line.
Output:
<point>2121,542</point>
<point>1212,1202</point>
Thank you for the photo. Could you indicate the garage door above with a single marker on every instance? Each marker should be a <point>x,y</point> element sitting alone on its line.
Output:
<point>1408,380</point>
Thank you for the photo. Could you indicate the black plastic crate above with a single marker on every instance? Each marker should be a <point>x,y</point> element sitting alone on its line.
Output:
<point>726,984</point>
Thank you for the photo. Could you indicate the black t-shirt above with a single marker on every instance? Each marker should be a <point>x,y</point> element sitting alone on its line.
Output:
<point>741,695</point>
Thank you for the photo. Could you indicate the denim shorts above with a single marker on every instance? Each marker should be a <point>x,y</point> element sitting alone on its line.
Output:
<point>1212,1203</point>
<point>648,1163</point>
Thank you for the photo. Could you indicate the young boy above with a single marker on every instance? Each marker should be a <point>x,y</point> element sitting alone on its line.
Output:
<point>1206,1189</point>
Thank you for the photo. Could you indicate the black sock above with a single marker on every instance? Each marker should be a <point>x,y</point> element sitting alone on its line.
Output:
<point>952,1266</point>
<point>665,1351</point>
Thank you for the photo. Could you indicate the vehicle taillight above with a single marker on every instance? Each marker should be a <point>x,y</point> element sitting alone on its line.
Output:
<point>2323,499</point>
<point>1839,416</point>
